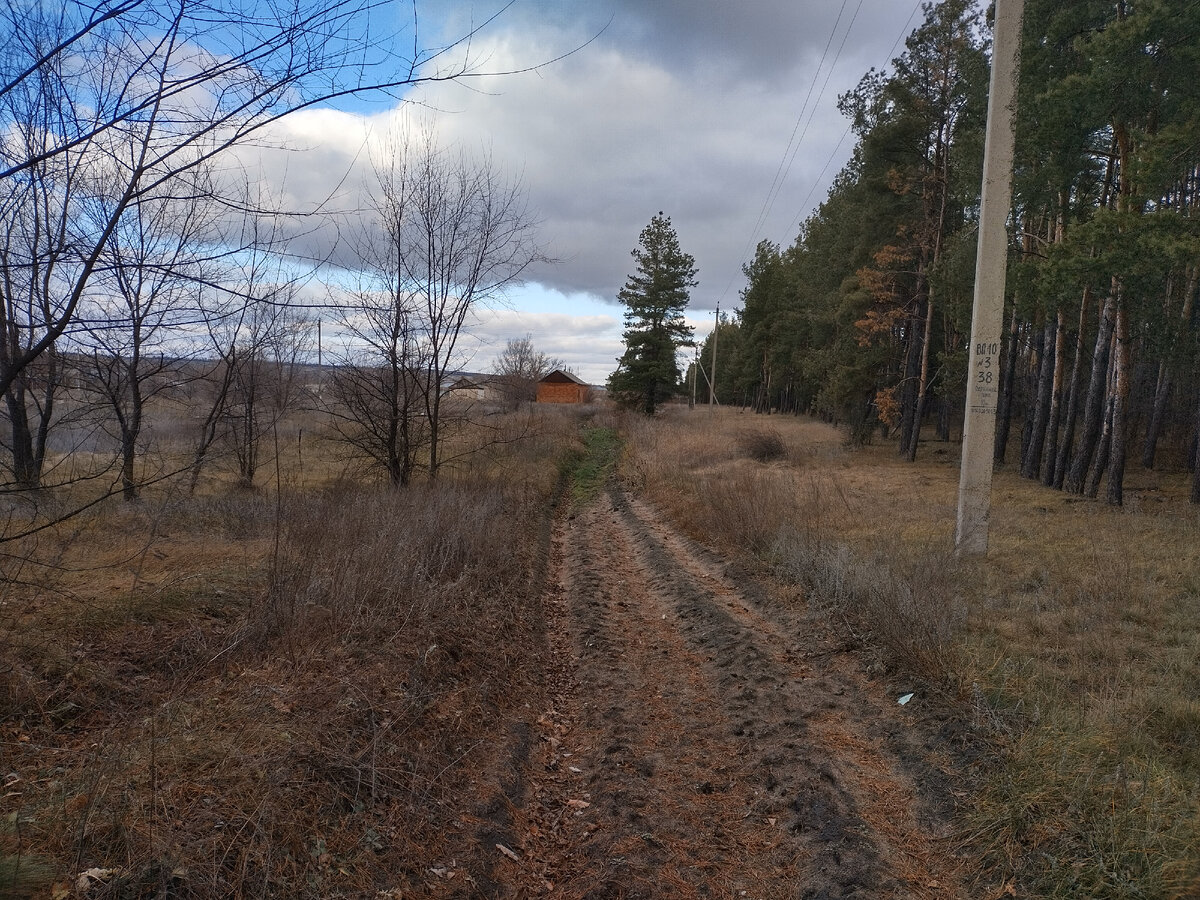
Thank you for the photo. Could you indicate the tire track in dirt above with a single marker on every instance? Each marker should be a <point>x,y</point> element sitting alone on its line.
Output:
<point>691,750</point>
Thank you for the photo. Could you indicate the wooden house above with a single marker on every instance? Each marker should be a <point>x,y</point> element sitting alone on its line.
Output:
<point>562,387</point>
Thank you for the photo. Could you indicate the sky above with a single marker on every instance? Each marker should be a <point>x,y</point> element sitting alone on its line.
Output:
<point>720,113</point>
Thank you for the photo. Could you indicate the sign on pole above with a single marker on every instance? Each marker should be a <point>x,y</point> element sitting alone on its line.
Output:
<point>991,262</point>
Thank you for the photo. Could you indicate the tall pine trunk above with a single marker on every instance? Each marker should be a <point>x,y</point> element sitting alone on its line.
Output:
<point>1092,485</point>
<point>1166,380</point>
<point>1122,370</point>
<point>923,384</point>
<point>1095,408</point>
<point>1158,414</point>
<point>1067,438</point>
<point>1195,498</point>
<point>908,389</point>
<point>1032,371</point>
<point>1031,462</point>
<point>1050,456</point>
<point>1007,380</point>
<point>945,408</point>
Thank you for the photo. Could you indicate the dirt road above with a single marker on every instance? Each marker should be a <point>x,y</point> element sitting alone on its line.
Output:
<point>704,740</point>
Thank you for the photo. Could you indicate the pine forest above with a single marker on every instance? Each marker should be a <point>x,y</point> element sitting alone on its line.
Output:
<point>865,319</point>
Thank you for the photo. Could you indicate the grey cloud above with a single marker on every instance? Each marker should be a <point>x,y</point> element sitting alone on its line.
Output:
<point>684,106</point>
<point>748,40</point>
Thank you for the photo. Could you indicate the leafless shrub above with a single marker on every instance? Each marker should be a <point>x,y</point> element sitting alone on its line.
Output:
<point>909,606</point>
<point>912,612</point>
<point>762,444</point>
<point>351,563</point>
<point>745,509</point>
<point>294,718</point>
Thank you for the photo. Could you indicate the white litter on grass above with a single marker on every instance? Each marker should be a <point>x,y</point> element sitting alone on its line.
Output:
<point>904,699</point>
<point>88,877</point>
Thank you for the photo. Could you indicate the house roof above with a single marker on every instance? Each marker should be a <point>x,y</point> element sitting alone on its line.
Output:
<point>559,376</point>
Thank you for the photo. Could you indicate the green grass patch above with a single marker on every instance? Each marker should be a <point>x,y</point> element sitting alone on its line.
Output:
<point>1073,813</point>
<point>591,467</point>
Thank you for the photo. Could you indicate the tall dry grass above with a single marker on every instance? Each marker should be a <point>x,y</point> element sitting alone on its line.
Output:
<point>292,691</point>
<point>1074,645</point>
<point>780,494</point>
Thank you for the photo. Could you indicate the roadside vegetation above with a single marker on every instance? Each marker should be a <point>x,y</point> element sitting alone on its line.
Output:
<point>591,466</point>
<point>1074,646</point>
<point>307,688</point>
<point>319,685</point>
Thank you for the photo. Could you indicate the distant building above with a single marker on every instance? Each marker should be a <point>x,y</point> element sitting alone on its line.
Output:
<point>562,387</point>
<point>472,386</point>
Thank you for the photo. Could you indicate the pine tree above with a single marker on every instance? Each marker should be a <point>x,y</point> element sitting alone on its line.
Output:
<point>655,297</point>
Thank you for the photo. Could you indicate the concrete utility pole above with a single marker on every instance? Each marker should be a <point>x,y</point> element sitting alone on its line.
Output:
<point>712,384</point>
<point>991,263</point>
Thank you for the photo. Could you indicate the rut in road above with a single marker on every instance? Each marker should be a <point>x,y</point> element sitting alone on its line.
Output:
<point>704,742</point>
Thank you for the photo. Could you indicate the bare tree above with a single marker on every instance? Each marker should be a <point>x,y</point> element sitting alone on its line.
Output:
<point>519,367</point>
<point>37,263</point>
<point>123,100</point>
<point>463,235</point>
<point>265,364</point>
<point>156,89</point>
<point>239,320</point>
<point>376,393</point>
<point>129,332</point>
<point>449,235</point>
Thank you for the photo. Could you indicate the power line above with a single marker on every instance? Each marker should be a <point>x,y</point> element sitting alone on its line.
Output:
<point>813,112</point>
<point>793,146</point>
<point>780,171</point>
<point>803,205</point>
<point>791,152</point>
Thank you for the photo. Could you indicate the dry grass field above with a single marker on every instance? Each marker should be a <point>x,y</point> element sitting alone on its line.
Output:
<point>303,688</point>
<point>320,687</point>
<point>1074,645</point>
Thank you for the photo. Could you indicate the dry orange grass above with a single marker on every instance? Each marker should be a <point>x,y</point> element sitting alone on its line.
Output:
<point>1077,639</point>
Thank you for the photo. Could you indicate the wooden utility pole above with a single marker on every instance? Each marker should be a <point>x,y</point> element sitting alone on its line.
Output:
<point>712,382</point>
<point>991,263</point>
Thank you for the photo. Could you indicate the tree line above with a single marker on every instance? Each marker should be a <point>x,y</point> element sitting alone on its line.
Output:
<point>865,318</point>
<point>140,259</point>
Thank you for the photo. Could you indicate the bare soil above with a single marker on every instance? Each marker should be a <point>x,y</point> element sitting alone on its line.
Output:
<point>705,735</point>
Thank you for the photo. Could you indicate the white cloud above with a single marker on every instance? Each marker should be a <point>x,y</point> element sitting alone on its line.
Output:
<point>589,344</point>
<point>684,106</point>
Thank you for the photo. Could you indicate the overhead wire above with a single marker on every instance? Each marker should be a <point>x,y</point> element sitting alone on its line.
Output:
<point>813,112</point>
<point>793,147</point>
<point>803,205</point>
<point>784,163</point>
